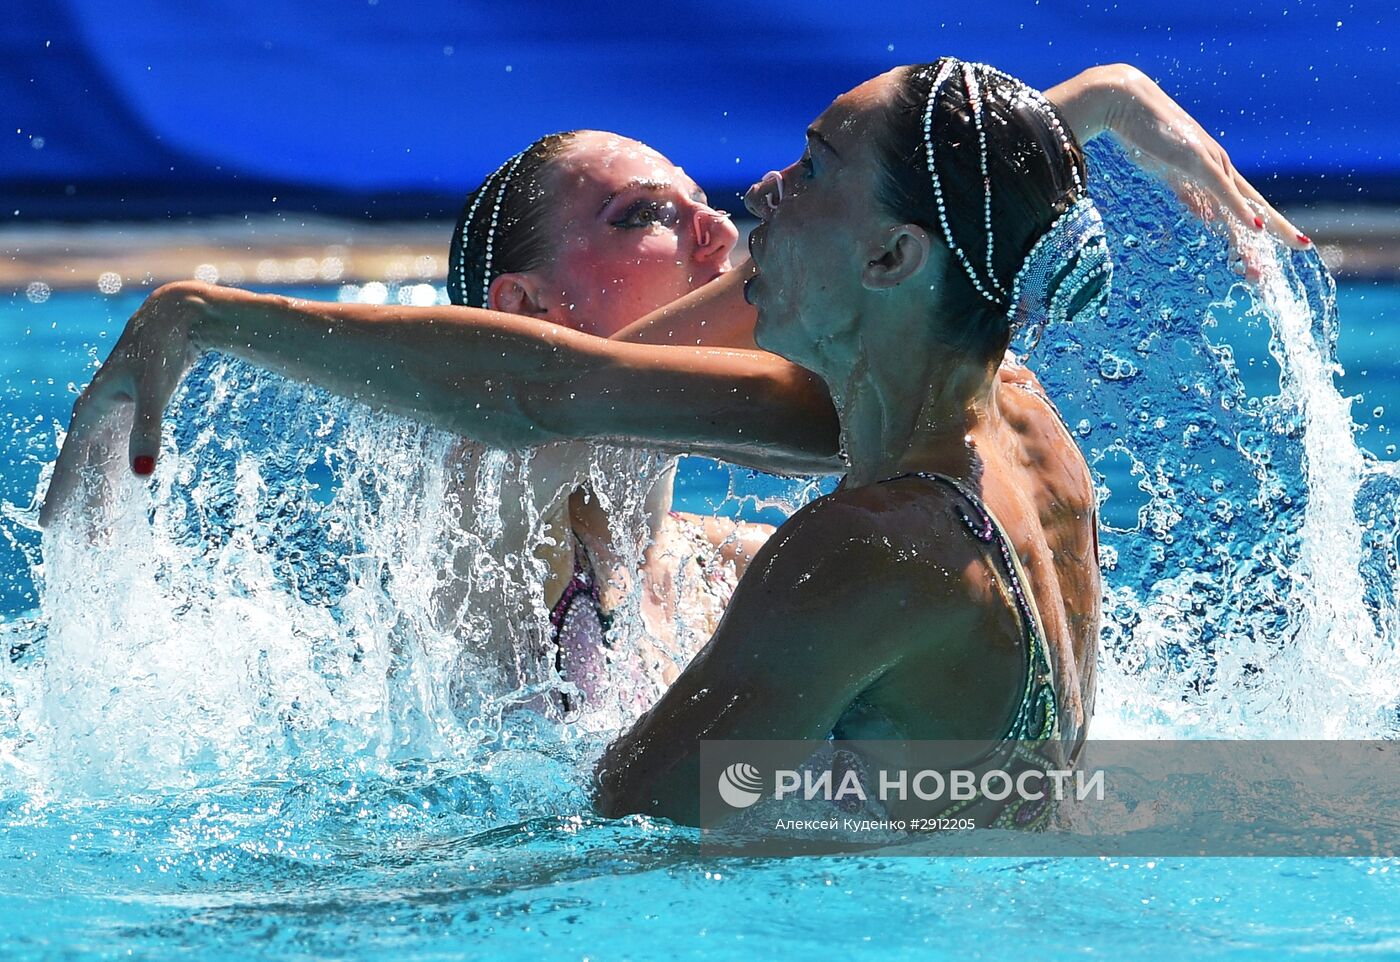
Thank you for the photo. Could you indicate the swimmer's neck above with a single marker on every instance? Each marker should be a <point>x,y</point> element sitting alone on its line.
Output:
<point>907,404</point>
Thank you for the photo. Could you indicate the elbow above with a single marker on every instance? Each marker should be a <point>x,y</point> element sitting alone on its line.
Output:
<point>545,411</point>
<point>1123,76</point>
<point>496,412</point>
<point>181,290</point>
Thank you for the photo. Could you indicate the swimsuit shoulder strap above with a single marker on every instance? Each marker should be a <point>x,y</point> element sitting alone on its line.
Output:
<point>1037,716</point>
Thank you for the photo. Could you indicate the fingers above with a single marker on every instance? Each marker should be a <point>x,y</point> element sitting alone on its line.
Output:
<point>1244,243</point>
<point>91,413</point>
<point>1248,251</point>
<point>86,421</point>
<point>1239,196</point>
<point>1192,198</point>
<point>1284,230</point>
<point>61,483</point>
<point>144,445</point>
<point>1221,181</point>
<point>1244,255</point>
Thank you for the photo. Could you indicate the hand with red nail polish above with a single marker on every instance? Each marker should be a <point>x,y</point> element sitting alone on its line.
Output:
<point>140,375</point>
<point>1170,143</point>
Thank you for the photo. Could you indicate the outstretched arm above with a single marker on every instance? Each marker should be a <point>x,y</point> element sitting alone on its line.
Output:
<point>1122,100</point>
<point>1115,98</point>
<point>498,378</point>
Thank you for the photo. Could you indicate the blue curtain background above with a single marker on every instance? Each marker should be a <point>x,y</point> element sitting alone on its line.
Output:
<point>397,107</point>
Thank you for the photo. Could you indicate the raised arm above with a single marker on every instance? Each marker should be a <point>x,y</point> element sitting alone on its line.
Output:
<point>1116,98</point>
<point>1122,100</point>
<point>499,378</point>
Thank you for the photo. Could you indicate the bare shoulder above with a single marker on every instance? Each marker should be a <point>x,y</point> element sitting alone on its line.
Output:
<point>1047,447</point>
<point>848,588</point>
<point>904,541</point>
<point>1013,371</point>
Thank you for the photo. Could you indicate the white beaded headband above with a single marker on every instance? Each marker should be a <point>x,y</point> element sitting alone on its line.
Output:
<point>1077,235</point>
<point>509,167</point>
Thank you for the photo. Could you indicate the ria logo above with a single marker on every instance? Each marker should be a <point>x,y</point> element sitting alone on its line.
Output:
<point>740,785</point>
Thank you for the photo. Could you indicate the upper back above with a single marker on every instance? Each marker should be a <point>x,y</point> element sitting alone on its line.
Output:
<point>1031,479</point>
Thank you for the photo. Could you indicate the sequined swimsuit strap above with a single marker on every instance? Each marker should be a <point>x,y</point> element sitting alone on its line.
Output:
<point>579,630</point>
<point>1037,713</point>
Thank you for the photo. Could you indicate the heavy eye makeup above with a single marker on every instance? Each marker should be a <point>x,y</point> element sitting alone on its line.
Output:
<point>647,213</point>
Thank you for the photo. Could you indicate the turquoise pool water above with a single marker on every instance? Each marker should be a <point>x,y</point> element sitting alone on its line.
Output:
<point>223,734</point>
<point>49,349</point>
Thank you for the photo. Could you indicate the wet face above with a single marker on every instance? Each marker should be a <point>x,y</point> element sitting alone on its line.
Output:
<point>819,239</point>
<point>635,233</point>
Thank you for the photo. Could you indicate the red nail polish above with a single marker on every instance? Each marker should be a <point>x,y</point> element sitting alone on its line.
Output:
<point>1259,222</point>
<point>143,464</point>
<point>1304,239</point>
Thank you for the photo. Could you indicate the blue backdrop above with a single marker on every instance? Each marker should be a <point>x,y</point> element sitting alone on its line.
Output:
<point>403,105</point>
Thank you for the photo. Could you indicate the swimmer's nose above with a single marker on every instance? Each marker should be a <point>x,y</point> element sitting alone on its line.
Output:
<point>715,234</point>
<point>764,196</point>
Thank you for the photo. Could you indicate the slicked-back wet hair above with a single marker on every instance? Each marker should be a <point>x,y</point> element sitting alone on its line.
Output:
<point>520,240</point>
<point>1032,175</point>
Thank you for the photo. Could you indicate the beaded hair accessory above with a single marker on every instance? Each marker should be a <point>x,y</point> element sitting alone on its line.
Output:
<point>1075,238</point>
<point>509,171</point>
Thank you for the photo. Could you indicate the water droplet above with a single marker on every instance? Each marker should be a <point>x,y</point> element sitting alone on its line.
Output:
<point>1114,368</point>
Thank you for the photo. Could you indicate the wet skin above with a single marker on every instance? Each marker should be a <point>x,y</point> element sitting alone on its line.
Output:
<point>634,232</point>
<point>875,602</point>
<point>515,381</point>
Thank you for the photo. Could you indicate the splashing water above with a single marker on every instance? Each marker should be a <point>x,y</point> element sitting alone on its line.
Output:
<point>314,596</point>
<point>1250,576</point>
<point>285,698</point>
<point>308,585</point>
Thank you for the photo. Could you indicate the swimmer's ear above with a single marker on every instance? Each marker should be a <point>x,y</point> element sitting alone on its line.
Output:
<point>899,254</point>
<point>518,294</point>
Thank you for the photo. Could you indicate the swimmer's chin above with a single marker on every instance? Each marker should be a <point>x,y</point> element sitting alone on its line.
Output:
<point>764,340</point>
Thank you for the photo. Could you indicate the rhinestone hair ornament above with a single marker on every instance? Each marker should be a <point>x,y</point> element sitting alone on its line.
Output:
<point>509,171</point>
<point>505,173</point>
<point>1074,250</point>
<point>1076,238</point>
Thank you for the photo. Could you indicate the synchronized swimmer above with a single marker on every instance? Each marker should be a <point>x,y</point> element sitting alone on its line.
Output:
<point>936,208</point>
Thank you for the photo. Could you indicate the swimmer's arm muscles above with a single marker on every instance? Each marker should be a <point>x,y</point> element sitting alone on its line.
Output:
<point>820,616</point>
<point>512,381</point>
<point>715,315</point>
